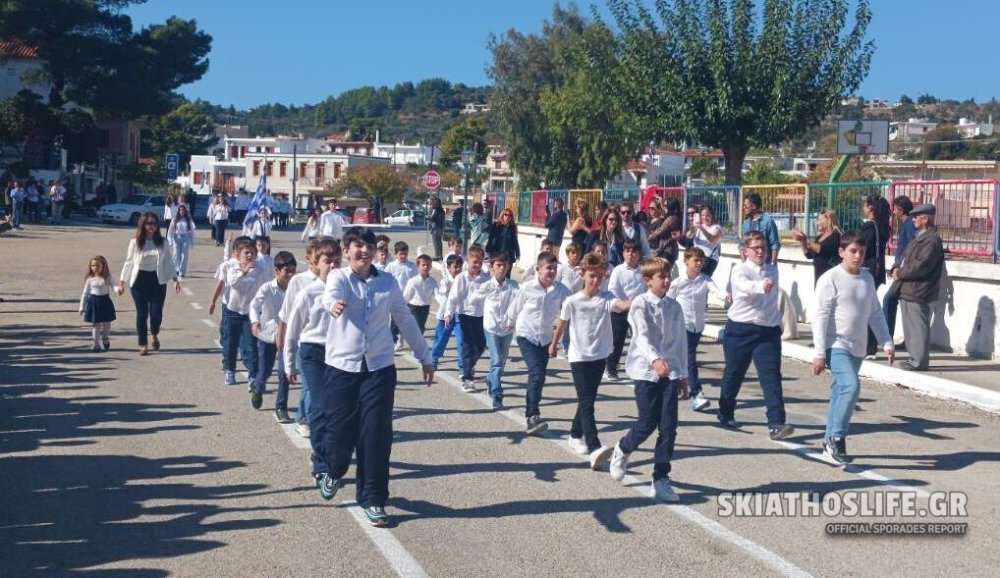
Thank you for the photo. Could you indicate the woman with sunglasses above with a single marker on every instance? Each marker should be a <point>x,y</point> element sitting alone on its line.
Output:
<point>610,233</point>
<point>503,237</point>
<point>148,266</point>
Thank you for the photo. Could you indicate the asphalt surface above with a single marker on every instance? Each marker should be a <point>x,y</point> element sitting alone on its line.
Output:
<point>115,465</point>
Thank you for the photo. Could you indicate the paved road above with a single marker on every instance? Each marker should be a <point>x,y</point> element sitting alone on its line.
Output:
<point>115,465</point>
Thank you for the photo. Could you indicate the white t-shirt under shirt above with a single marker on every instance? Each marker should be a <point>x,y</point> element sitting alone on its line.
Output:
<point>589,320</point>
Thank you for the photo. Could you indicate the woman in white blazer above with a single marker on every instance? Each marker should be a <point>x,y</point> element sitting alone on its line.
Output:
<point>148,266</point>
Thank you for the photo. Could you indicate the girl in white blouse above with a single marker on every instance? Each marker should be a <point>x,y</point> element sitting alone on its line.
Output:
<point>95,303</point>
<point>148,267</point>
<point>180,234</point>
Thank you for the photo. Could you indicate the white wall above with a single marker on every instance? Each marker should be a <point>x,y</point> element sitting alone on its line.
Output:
<point>964,320</point>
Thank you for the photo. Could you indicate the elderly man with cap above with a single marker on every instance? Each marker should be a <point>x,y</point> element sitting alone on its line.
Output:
<point>919,278</point>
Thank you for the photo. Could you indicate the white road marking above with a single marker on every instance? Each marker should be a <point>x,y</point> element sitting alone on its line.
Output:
<point>402,562</point>
<point>767,557</point>
<point>211,324</point>
<point>187,291</point>
<point>196,306</point>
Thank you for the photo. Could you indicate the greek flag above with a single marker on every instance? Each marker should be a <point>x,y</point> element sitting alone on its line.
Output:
<point>258,199</point>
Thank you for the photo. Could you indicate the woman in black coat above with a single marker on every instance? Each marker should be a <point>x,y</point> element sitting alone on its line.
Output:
<point>875,231</point>
<point>503,237</point>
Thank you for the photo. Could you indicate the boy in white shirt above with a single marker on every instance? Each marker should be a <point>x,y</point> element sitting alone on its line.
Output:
<point>626,282</point>
<point>304,346</point>
<point>298,283</point>
<point>533,316</point>
<point>468,311</point>
<point>264,260</point>
<point>381,258</point>
<point>442,332</point>
<point>657,363</point>
<point>264,310</point>
<point>454,247</point>
<point>846,306</point>
<point>753,333</point>
<point>243,279</point>
<point>691,291</point>
<point>402,271</point>
<point>420,290</point>
<point>498,295</point>
<point>331,224</point>
<point>545,247</point>
<point>261,227</point>
<point>600,248</point>
<point>587,314</point>
<point>569,275</point>
<point>353,408</point>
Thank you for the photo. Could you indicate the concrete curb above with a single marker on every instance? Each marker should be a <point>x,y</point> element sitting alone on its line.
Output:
<point>927,384</point>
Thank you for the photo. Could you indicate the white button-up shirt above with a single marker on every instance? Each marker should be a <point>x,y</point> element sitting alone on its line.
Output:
<point>264,310</point>
<point>361,333</point>
<point>692,294</point>
<point>751,304</point>
<point>570,276</point>
<point>462,299</point>
<point>420,290</point>
<point>497,299</point>
<point>299,282</point>
<point>535,310</point>
<point>626,282</point>
<point>442,293</point>
<point>331,225</point>
<point>589,325</point>
<point>401,272</point>
<point>657,333</point>
<point>308,322</point>
<point>242,286</point>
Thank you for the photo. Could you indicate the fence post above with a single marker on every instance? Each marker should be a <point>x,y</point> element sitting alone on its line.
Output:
<point>807,217</point>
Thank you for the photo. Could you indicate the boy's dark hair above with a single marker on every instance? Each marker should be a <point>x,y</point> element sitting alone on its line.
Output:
<point>630,244</point>
<point>904,203</point>
<point>452,259</point>
<point>448,239</point>
<point>546,258</point>
<point>755,200</point>
<point>382,238</point>
<point>501,256</point>
<point>422,258</point>
<point>241,242</point>
<point>852,238</point>
<point>401,247</point>
<point>546,242</point>
<point>326,248</point>
<point>359,235</point>
<point>311,247</point>
<point>596,243</point>
<point>593,261</point>
<point>284,259</point>
<point>693,252</point>
<point>264,238</point>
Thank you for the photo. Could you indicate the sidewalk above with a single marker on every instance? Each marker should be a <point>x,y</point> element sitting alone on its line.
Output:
<point>951,376</point>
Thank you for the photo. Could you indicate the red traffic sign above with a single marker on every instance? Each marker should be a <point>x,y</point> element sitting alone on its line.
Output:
<point>432,180</point>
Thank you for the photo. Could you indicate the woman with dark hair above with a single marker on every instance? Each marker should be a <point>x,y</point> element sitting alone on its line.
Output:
<point>875,231</point>
<point>611,234</point>
<point>662,238</point>
<point>582,225</point>
<point>706,234</point>
<point>148,266</point>
<point>503,237</point>
<point>436,220</point>
<point>180,234</point>
<point>218,216</point>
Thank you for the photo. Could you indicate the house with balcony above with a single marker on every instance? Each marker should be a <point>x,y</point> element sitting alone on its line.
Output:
<point>402,154</point>
<point>501,177</point>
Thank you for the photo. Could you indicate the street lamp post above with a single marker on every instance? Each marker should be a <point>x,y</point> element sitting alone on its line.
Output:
<point>468,164</point>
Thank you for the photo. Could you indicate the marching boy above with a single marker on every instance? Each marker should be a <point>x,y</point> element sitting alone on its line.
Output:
<point>420,290</point>
<point>243,279</point>
<point>463,305</point>
<point>353,408</point>
<point>498,295</point>
<point>264,310</point>
<point>657,362</point>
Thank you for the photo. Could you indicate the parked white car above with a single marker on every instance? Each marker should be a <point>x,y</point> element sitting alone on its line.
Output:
<point>131,208</point>
<point>405,217</point>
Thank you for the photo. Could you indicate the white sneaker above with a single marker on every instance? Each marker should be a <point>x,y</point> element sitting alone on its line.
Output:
<point>699,402</point>
<point>399,345</point>
<point>578,445</point>
<point>619,464</point>
<point>663,492</point>
<point>302,429</point>
<point>468,386</point>
<point>611,378</point>
<point>599,457</point>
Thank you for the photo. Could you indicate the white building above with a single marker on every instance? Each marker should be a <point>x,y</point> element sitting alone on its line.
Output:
<point>663,169</point>
<point>971,128</point>
<point>912,130</point>
<point>21,68</point>
<point>799,166</point>
<point>475,108</point>
<point>402,154</point>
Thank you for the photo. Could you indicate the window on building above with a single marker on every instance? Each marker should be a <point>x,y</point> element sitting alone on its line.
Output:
<point>320,172</point>
<point>303,167</point>
<point>256,168</point>
<point>336,171</point>
<point>243,151</point>
<point>234,152</point>
<point>283,169</point>
<point>496,164</point>
<point>270,168</point>
<point>269,150</point>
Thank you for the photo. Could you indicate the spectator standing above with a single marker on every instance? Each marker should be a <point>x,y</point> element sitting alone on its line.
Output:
<point>556,221</point>
<point>503,238</point>
<point>825,250</point>
<point>479,226</point>
<point>633,230</point>
<point>457,218</point>
<point>611,235</point>
<point>57,196</point>
<point>706,234</point>
<point>582,224</point>
<point>919,279</point>
<point>875,231</point>
<point>901,207</point>
<point>756,220</point>
<point>437,227</point>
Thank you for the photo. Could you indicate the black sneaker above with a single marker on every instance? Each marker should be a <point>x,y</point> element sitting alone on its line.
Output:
<point>536,425</point>
<point>107,344</point>
<point>780,432</point>
<point>835,450</point>
<point>328,486</point>
<point>318,479</point>
<point>727,422</point>
<point>377,516</point>
<point>498,404</point>
<point>281,416</point>
<point>256,399</point>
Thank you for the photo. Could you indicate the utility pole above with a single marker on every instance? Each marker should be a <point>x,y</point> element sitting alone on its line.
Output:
<point>295,175</point>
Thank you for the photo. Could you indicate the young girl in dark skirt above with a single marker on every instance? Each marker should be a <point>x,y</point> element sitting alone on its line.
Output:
<point>95,303</point>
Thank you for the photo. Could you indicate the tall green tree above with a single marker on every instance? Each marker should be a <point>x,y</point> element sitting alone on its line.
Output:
<point>714,73</point>
<point>184,131</point>
<point>466,135</point>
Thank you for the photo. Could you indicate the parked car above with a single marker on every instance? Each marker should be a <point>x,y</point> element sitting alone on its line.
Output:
<point>364,215</point>
<point>406,217</point>
<point>131,208</point>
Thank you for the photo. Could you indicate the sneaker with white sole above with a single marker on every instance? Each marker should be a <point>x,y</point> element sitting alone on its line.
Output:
<point>536,425</point>
<point>619,464</point>
<point>468,386</point>
<point>578,445</point>
<point>664,492</point>
<point>328,486</point>
<point>611,377</point>
<point>377,516</point>
<point>699,402</point>
<point>302,429</point>
<point>600,456</point>
<point>780,432</point>
<point>398,346</point>
<point>835,450</point>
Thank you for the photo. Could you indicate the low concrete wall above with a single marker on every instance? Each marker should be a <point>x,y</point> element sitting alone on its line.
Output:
<point>964,319</point>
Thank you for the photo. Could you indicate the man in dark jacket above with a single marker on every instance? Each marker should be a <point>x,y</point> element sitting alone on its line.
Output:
<point>556,222</point>
<point>919,278</point>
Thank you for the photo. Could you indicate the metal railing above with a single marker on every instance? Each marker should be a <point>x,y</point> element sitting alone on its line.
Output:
<point>965,212</point>
<point>845,199</point>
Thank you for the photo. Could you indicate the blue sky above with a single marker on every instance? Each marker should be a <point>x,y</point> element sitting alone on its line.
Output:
<point>301,51</point>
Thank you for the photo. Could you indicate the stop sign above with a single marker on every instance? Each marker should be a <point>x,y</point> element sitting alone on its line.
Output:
<point>432,180</point>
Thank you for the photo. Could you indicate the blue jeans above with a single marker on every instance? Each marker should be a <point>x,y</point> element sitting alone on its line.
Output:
<point>656,402</point>
<point>441,336</point>
<point>267,354</point>
<point>312,365</point>
<point>16,211</point>
<point>238,335</point>
<point>536,357</point>
<point>693,382</point>
<point>352,412</point>
<point>182,249</point>
<point>498,345</point>
<point>844,390</point>
<point>741,344</point>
